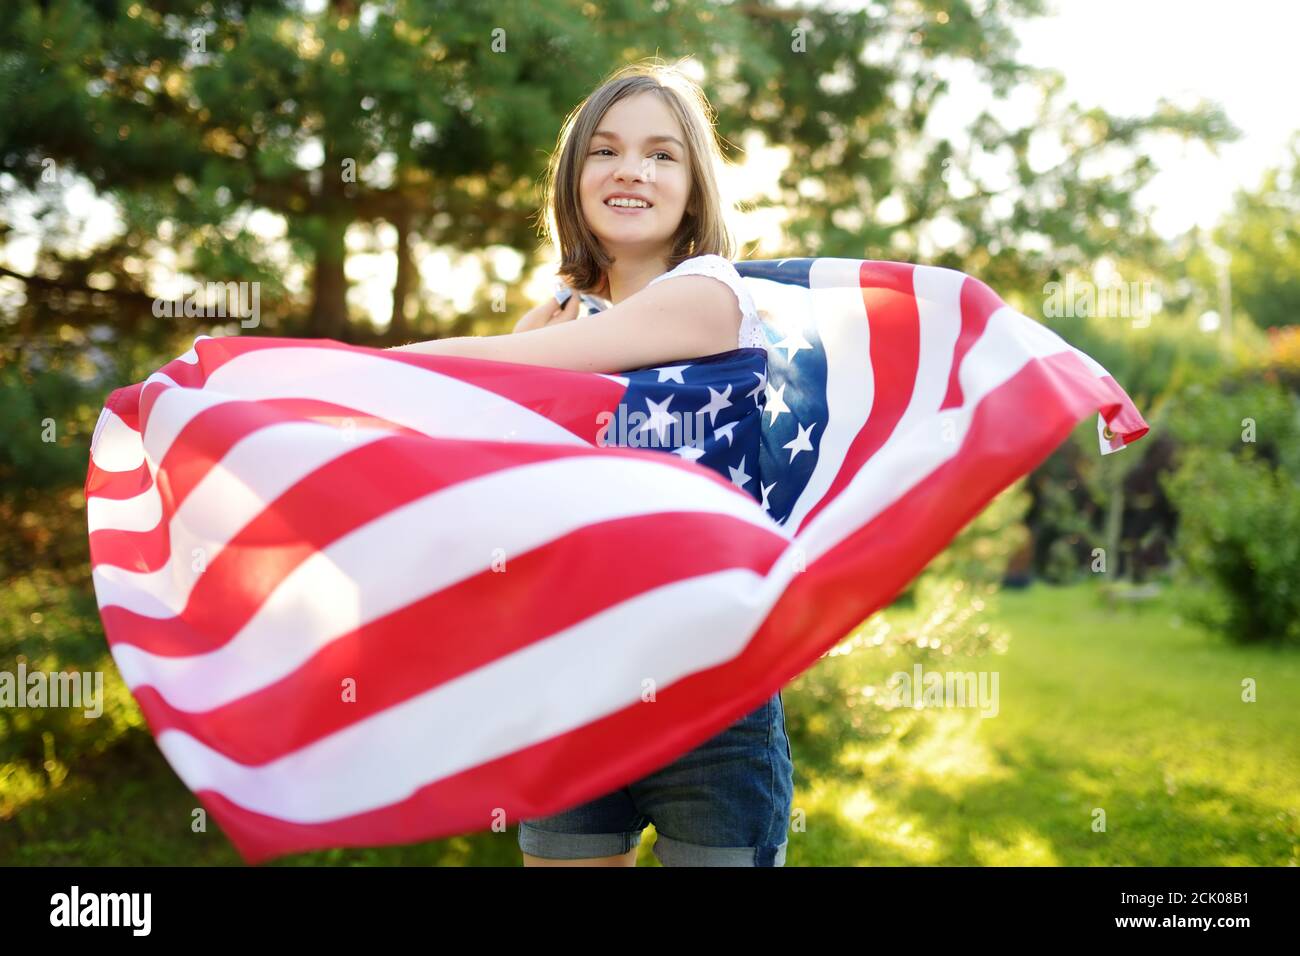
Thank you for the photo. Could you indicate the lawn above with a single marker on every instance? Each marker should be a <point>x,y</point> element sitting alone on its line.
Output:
<point>1132,712</point>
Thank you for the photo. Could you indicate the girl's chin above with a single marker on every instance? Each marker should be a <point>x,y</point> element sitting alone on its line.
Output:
<point>614,220</point>
<point>628,222</point>
<point>631,237</point>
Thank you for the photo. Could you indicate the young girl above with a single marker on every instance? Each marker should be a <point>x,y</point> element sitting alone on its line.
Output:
<point>633,201</point>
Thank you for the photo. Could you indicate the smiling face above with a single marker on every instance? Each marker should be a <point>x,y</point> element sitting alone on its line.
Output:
<point>647,131</point>
<point>638,150</point>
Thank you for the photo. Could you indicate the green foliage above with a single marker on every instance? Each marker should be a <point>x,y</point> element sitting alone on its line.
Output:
<point>1239,532</point>
<point>448,113</point>
<point>1262,236</point>
<point>1083,500</point>
<point>36,408</point>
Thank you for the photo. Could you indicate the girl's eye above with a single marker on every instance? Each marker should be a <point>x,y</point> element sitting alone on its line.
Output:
<point>605,149</point>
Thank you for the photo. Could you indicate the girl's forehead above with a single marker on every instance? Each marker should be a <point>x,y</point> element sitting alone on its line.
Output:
<point>639,113</point>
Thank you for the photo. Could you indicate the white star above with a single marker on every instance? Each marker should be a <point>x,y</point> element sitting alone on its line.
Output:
<point>660,417</point>
<point>758,389</point>
<point>800,442</point>
<point>673,373</point>
<point>717,402</point>
<point>729,431</point>
<point>689,452</point>
<point>738,476</point>
<point>766,490</point>
<point>793,344</point>
<point>776,402</point>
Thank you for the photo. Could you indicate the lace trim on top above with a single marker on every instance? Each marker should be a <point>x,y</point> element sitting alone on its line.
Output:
<point>751,326</point>
<point>751,334</point>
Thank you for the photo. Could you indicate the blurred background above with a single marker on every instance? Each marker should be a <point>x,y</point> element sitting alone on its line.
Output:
<point>1129,174</point>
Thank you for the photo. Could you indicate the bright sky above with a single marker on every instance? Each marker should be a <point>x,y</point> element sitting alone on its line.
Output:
<point>1121,55</point>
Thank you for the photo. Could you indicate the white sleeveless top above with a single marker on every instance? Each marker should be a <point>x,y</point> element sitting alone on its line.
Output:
<point>720,268</point>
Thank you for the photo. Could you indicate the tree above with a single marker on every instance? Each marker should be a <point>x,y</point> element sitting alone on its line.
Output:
<point>437,117</point>
<point>1261,237</point>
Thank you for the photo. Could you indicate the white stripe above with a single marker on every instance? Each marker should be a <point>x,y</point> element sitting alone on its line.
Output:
<point>253,473</point>
<point>192,356</point>
<point>592,669</point>
<point>1009,342</point>
<point>429,402</point>
<point>116,446</point>
<point>159,378</point>
<point>425,401</point>
<point>837,309</point>
<point>419,549</point>
<point>104,413</point>
<point>938,306</point>
<point>141,512</point>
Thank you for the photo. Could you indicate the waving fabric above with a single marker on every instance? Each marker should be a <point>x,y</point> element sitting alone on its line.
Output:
<point>367,597</point>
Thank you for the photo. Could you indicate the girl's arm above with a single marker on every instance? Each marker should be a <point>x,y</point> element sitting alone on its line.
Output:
<point>683,317</point>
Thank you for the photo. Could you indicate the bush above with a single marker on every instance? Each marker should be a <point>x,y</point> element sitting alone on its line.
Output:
<point>1239,511</point>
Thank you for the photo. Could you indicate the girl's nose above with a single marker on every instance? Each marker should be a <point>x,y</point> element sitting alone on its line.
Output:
<point>633,170</point>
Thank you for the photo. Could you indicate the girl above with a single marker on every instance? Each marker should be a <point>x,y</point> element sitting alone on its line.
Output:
<point>632,199</point>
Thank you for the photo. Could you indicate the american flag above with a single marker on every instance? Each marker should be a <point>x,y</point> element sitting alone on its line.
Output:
<point>367,597</point>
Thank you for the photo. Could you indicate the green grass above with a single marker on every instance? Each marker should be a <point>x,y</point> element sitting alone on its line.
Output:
<point>1132,712</point>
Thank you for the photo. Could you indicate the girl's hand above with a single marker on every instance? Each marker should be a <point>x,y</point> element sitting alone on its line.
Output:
<point>548,313</point>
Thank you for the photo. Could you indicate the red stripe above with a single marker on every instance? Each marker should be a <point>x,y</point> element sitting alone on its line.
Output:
<point>203,443</point>
<point>332,501</point>
<point>837,592</point>
<point>889,296</point>
<point>570,399</point>
<point>1125,421</point>
<point>468,625</point>
<point>978,302</point>
<point>124,403</point>
<point>118,485</point>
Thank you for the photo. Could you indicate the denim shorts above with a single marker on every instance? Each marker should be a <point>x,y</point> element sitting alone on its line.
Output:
<point>725,803</point>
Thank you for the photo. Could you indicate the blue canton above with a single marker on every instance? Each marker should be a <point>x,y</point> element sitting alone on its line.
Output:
<point>796,409</point>
<point>707,410</point>
<point>762,412</point>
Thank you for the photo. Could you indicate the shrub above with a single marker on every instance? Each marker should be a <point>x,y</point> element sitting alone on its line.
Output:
<point>1239,510</point>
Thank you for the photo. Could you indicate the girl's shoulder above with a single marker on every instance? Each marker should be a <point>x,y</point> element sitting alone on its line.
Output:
<point>722,268</point>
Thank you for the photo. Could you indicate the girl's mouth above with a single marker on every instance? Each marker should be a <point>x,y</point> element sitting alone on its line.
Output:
<point>628,210</point>
<point>627,205</point>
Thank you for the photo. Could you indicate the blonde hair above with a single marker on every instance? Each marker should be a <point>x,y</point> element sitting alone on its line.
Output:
<point>704,228</point>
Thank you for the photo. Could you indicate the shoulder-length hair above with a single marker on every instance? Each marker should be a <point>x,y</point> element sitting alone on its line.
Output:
<point>704,228</point>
